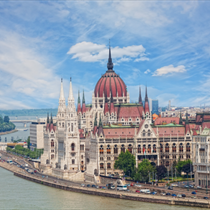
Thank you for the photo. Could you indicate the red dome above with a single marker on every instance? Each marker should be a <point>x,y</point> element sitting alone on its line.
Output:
<point>110,82</point>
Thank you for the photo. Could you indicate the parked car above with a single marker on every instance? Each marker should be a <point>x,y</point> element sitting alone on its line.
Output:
<point>163,194</point>
<point>186,186</point>
<point>132,184</point>
<point>153,193</point>
<point>128,185</point>
<point>112,187</point>
<point>137,191</point>
<point>193,192</point>
<point>94,186</point>
<point>174,195</point>
<point>138,185</point>
<point>205,198</point>
<point>35,171</point>
<point>191,186</point>
<point>199,187</point>
<point>32,172</point>
<point>88,185</point>
<point>82,185</point>
<point>168,193</point>
<point>170,188</point>
<point>174,185</point>
<point>179,196</point>
<point>183,195</point>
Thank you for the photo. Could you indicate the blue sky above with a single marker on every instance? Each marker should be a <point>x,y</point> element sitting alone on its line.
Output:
<point>162,44</point>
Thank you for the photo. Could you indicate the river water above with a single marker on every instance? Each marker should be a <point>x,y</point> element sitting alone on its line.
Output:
<point>17,193</point>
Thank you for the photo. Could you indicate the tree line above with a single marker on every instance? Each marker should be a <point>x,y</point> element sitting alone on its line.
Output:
<point>126,162</point>
<point>5,124</point>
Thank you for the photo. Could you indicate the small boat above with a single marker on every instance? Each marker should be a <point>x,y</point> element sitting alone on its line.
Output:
<point>25,129</point>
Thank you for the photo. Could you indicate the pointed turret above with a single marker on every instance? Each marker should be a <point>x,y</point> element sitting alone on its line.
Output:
<point>146,104</point>
<point>106,106</point>
<point>51,120</point>
<point>83,103</point>
<point>78,105</point>
<point>48,120</point>
<point>187,126</point>
<point>111,104</point>
<point>110,64</point>
<point>180,119</point>
<point>140,99</point>
<point>71,96</point>
<point>61,91</point>
<point>95,126</point>
<point>100,129</point>
<point>186,121</point>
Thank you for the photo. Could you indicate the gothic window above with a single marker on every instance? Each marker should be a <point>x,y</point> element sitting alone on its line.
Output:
<point>62,125</point>
<point>101,150</point>
<point>154,148</point>
<point>71,115</point>
<point>108,165</point>
<point>167,163</point>
<point>180,147</point>
<point>72,147</point>
<point>81,156</point>
<point>82,147</point>
<point>188,147</point>
<point>161,148</point>
<point>52,156</point>
<point>72,127</point>
<point>52,143</point>
<point>65,167</point>
<point>130,148</point>
<point>139,148</point>
<point>101,165</point>
<point>148,134</point>
<point>101,158</point>
<point>174,147</point>
<point>115,149</point>
<point>146,126</point>
<point>108,149</point>
<point>73,161</point>
<point>143,133</point>
<point>149,148</point>
<point>122,148</point>
<point>167,148</point>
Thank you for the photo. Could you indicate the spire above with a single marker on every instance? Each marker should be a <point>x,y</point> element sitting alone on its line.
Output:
<point>140,99</point>
<point>48,120</point>
<point>146,97</point>
<point>70,91</point>
<point>186,121</point>
<point>180,119</point>
<point>100,122</point>
<point>95,122</point>
<point>78,97</point>
<point>51,121</point>
<point>110,64</point>
<point>83,98</point>
<point>61,91</point>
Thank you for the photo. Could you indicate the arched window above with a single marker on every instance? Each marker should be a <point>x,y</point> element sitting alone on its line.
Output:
<point>154,148</point>
<point>101,165</point>
<point>72,147</point>
<point>65,167</point>
<point>62,125</point>
<point>52,143</point>
<point>139,148</point>
<point>52,157</point>
<point>167,148</point>
<point>108,149</point>
<point>47,161</point>
<point>73,161</point>
<point>161,148</point>
<point>122,148</point>
<point>149,133</point>
<point>115,149</point>
<point>188,147</point>
<point>167,163</point>
<point>101,150</point>
<point>149,148</point>
<point>130,148</point>
<point>180,147</point>
<point>82,162</point>
<point>108,165</point>
<point>174,147</point>
<point>143,133</point>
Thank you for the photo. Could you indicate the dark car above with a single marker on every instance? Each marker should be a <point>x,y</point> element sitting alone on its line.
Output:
<point>168,193</point>
<point>205,198</point>
<point>88,185</point>
<point>193,192</point>
<point>93,186</point>
<point>173,195</point>
<point>170,188</point>
<point>183,195</point>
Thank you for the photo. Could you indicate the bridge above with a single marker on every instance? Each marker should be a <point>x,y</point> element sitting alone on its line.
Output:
<point>23,121</point>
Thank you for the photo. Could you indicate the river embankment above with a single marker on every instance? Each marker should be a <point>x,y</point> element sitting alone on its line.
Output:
<point>106,193</point>
<point>8,132</point>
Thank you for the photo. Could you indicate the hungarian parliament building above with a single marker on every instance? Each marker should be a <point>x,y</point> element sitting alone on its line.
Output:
<point>89,138</point>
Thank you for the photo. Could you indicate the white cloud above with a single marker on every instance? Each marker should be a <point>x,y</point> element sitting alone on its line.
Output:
<point>91,52</point>
<point>147,71</point>
<point>141,59</point>
<point>169,69</point>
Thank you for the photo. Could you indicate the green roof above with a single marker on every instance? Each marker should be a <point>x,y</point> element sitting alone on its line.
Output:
<point>119,126</point>
<point>169,125</point>
<point>127,105</point>
<point>88,105</point>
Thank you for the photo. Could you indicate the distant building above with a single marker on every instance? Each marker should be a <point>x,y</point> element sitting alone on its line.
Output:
<point>37,135</point>
<point>155,107</point>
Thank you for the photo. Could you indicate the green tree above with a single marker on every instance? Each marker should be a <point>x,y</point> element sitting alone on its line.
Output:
<point>161,172</point>
<point>187,168</point>
<point>126,162</point>
<point>6,119</point>
<point>144,168</point>
<point>180,165</point>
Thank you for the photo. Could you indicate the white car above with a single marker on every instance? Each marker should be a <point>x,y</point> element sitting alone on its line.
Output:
<point>199,187</point>
<point>174,185</point>
<point>163,194</point>
<point>138,185</point>
<point>179,196</point>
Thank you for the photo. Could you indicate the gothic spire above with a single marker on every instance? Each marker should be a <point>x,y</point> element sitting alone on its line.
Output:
<point>51,121</point>
<point>110,64</point>
<point>83,98</point>
<point>70,91</point>
<point>100,122</point>
<point>180,119</point>
<point>78,97</point>
<point>186,121</point>
<point>95,122</point>
<point>140,99</point>
<point>146,97</point>
<point>61,91</point>
<point>48,120</point>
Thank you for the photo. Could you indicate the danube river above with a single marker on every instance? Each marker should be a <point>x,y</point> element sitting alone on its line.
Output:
<point>17,193</point>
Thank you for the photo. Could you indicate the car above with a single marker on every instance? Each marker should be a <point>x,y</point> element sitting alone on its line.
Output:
<point>32,172</point>
<point>112,187</point>
<point>88,185</point>
<point>174,185</point>
<point>35,171</point>
<point>193,192</point>
<point>138,185</point>
<point>153,193</point>
<point>82,185</point>
<point>193,197</point>
<point>179,196</point>
<point>163,194</point>
<point>137,191</point>
<point>199,187</point>
<point>18,166</point>
<point>205,198</point>
<point>100,186</point>
<point>174,195</point>
<point>186,186</point>
<point>170,188</point>
<point>132,184</point>
<point>168,193</point>
<point>103,187</point>
<point>183,195</point>
<point>128,185</point>
<point>94,186</point>
<point>191,186</point>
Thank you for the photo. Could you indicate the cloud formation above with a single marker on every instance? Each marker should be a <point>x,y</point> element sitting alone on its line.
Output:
<point>91,52</point>
<point>147,71</point>
<point>169,70</point>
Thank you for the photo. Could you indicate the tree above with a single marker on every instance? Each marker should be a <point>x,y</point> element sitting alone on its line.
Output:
<point>180,165</point>
<point>144,168</point>
<point>161,172</point>
<point>187,168</point>
<point>6,119</point>
<point>126,162</point>
<point>28,142</point>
